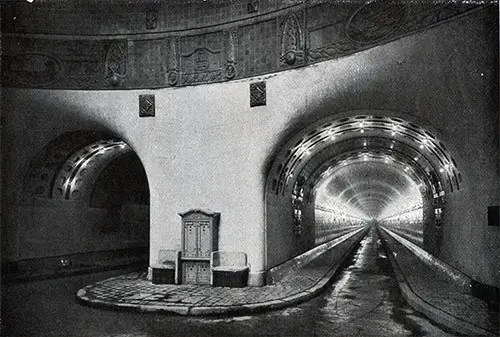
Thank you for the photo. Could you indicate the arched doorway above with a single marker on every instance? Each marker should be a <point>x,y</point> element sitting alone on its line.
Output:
<point>343,172</point>
<point>84,206</point>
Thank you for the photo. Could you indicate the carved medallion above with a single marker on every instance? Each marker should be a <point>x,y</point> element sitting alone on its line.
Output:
<point>375,20</point>
<point>33,69</point>
<point>230,71</point>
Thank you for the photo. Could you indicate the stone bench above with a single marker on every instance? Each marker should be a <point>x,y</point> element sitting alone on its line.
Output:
<point>229,269</point>
<point>166,269</point>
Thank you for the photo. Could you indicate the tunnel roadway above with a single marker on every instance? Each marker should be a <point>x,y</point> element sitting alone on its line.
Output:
<point>363,300</point>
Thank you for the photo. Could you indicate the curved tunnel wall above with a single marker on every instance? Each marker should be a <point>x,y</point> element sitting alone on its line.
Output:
<point>373,166</point>
<point>206,152</point>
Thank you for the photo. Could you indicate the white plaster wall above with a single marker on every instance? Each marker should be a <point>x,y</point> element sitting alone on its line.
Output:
<point>206,148</point>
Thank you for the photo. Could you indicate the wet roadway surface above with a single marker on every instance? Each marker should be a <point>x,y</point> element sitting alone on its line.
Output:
<point>363,300</point>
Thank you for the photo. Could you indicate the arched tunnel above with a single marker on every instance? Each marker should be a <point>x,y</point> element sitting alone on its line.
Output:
<point>87,193</point>
<point>342,173</point>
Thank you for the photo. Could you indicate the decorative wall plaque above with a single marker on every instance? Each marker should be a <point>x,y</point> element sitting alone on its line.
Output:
<point>257,94</point>
<point>116,63</point>
<point>292,41</point>
<point>146,105</point>
<point>202,58</point>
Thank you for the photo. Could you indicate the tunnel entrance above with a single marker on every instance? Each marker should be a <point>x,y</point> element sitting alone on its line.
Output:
<point>85,206</point>
<point>339,174</point>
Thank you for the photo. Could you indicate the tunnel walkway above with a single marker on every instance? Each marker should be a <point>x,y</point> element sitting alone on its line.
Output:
<point>363,300</point>
<point>440,292</point>
<point>366,300</point>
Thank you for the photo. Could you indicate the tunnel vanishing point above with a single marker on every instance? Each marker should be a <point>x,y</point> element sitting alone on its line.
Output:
<point>251,131</point>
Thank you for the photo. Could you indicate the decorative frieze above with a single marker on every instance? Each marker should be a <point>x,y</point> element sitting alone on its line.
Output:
<point>297,36</point>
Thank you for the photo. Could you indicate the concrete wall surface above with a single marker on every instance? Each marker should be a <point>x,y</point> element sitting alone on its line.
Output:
<point>207,148</point>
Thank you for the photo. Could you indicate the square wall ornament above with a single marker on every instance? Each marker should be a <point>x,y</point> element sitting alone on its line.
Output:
<point>257,94</point>
<point>146,105</point>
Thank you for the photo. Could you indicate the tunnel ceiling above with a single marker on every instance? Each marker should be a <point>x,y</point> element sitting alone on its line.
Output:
<point>369,186</point>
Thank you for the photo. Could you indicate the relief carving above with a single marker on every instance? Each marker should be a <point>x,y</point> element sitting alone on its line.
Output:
<point>33,68</point>
<point>231,54</point>
<point>292,41</point>
<point>202,59</point>
<point>116,63</point>
<point>331,51</point>
<point>211,56</point>
<point>173,61</point>
<point>375,21</point>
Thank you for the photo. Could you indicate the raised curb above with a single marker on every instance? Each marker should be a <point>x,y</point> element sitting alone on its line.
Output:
<point>428,309</point>
<point>230,310</point>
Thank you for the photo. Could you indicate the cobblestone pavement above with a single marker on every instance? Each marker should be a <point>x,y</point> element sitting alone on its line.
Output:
<point>440,292</point>
<point>134,292</point>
